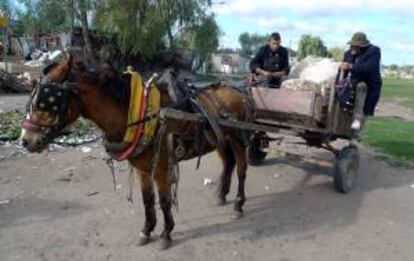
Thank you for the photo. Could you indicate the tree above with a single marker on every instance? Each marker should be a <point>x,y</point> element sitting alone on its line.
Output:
<point>144,26</point>
<point>206,37</point>
<point>310,45</point>
<point>394,67</point>
<point>42,16</point>
<point>337,53</point>
<point>80,9</point>
<point>5,8</point>
<point>45,15</point>
<point>250,44</point>
<point>52,15</point>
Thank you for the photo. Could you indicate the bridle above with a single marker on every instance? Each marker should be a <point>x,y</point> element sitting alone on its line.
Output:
<point>54,99</point>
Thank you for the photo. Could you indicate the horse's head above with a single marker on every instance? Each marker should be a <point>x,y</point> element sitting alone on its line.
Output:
<point>53,105</point>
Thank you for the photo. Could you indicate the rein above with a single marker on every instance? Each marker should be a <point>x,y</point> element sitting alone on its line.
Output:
<point>144,120</point>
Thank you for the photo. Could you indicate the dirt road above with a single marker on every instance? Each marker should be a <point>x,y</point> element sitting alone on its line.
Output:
<point>61,206</point>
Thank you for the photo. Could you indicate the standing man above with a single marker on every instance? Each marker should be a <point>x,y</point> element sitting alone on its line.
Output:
<point>271,61</point>
<point>362,60</point>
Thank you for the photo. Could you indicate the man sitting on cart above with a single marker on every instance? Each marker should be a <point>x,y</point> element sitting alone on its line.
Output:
<point>362,61</point>
<point>271,61</point>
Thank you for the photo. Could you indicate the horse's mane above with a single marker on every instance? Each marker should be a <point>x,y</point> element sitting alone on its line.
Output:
<point>115,87</point>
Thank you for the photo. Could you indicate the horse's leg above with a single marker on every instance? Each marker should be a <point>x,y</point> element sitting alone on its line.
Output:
<point>148,197</point>
<point>165,198</point>
<point>241,161</point>
<point>227,157</point>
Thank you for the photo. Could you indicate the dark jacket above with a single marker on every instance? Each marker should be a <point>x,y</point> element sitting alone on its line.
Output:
<point>270,61</point>
<point>366,68</point>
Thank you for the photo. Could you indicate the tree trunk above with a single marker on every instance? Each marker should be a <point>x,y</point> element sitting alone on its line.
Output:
<point>90,53</point>
<point>72,19</point>
<point>171,39</point>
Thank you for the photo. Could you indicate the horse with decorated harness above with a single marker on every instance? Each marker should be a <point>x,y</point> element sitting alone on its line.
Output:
<point>155,124</point>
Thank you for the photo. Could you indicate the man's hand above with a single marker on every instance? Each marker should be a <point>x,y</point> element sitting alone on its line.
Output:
<point>251,79</point>
<point>266,74</point>
<point>263,73</point>
<point>278,74</point>
<point>345,66</point>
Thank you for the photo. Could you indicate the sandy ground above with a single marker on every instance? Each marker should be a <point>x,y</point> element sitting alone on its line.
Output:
<point>61,206</point>
<point>389,108</point>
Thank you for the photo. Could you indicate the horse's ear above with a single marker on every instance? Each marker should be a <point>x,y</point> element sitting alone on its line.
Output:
<point>70,59</point>
<point>58,72</point>
<point>68,63</point>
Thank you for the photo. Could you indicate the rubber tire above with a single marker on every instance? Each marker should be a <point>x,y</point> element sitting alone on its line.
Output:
<point>346,169</point>
<point>255,156</point>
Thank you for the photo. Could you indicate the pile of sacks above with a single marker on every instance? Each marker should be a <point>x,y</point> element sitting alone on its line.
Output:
<point>312,73</point>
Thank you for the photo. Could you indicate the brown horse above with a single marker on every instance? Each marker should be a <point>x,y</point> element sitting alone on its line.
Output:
<point>69,91</point>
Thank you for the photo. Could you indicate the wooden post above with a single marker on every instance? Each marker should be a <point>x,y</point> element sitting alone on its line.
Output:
<point>6,66</point>
<point>4,25</point>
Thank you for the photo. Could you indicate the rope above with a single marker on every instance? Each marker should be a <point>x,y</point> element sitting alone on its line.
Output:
<point>110,164</point>
<point>131,185</point>
<point>173,170</point>
<point>158,141</point>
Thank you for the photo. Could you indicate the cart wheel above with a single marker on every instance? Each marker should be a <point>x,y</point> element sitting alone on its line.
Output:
<point>346,169</point>
<point>255,155</point>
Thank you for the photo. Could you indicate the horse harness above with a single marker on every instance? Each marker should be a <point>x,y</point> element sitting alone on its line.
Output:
<point>53,99</point>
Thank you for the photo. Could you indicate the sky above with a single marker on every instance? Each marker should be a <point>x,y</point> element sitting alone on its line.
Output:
<point>389,24</point>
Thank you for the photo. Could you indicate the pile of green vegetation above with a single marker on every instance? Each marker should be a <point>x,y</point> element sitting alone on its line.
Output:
<point>10,126</point>
<point>82,131</point>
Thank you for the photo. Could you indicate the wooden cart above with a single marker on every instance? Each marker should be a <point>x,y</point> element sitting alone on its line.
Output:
<point>314,115</point>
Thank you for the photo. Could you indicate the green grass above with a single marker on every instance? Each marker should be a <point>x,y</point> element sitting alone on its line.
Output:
<point>392,136</point>
<point>399,90</point>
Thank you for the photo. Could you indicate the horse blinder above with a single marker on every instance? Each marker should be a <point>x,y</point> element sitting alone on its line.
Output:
<point>52,99</point>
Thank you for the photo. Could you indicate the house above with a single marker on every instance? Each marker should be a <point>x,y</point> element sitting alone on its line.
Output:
<point>231,63</point>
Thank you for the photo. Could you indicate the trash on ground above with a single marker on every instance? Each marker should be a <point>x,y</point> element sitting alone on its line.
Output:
<point>90,157</point>
<point>207,182</point>
<point>65,179</point>
<point>70,169</point>
<point>86,149</point>
<point>92,193</point>
<point>4,202</point>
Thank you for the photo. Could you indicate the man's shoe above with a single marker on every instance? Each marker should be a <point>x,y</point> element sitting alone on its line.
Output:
<point>356,125</point>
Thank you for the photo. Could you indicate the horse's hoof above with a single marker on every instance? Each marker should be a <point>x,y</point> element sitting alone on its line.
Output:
<point>221,202</point>
<point>164,243</point>
<point>237,214</point>
<point>143,239</point>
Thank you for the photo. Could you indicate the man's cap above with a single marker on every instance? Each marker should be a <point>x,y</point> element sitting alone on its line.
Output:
<point>359,39</point>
